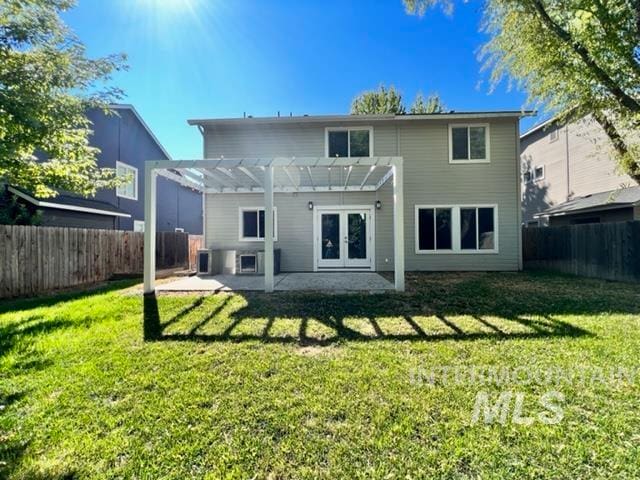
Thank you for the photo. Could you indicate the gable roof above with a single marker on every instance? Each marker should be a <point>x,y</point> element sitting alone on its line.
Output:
<point>452,115</point>
<point>70,202</point>
<point>621,198</point>
<point>132,109</point>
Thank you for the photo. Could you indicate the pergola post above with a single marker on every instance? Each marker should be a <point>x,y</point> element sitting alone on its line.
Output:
<point>398,224</point>
<point>268,229</point>
<point>149,229</point>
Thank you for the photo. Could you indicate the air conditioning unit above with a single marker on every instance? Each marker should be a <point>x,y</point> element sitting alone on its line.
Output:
<point>205,262</point>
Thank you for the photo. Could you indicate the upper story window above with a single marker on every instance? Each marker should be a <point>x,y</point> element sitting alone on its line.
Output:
<point>130,189</point>
<point>469,143</point>
<point>533,175</point>
<point>349,142</point>
<point>252,224</point>
<point>538,172</point>
<point>553,135</point>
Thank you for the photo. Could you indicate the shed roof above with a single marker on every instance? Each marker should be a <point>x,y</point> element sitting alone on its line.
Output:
<point>70,202</point>
<point>620,198</point>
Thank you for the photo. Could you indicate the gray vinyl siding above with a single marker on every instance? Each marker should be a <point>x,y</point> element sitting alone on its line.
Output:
<point>429,179</point>
<point>295,222</point>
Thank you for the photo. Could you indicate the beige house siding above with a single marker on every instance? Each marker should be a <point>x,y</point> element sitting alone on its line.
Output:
<point>429,180</point>
<point>578,163</point>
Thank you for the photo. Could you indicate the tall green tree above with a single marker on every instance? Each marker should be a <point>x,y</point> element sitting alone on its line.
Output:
<point>46,85</point>
<point>380,101</point>
<point>389,101</point>
<point>573,57</point>
<point>431,104</point>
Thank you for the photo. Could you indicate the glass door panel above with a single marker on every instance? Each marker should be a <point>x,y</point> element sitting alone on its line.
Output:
<point>330,240</point>
<point>357,231</point>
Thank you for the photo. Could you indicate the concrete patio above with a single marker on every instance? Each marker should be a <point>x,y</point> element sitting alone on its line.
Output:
<point>318,281</point>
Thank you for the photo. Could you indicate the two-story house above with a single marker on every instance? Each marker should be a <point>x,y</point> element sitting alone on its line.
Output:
<point>126,142</point>
<point>569,176</point>
<point>361,193</point>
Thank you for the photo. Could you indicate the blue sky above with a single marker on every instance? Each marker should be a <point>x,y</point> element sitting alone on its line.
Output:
<point>221,58</point>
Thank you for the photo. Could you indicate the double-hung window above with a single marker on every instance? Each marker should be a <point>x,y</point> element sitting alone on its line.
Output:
<point>349,142</point>
<point>456,229</point>
<point>469,143</point>
<point>130,188</point>
<point>251,224</point>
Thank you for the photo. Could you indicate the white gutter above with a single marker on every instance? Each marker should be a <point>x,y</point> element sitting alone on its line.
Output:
<point>62,206</point>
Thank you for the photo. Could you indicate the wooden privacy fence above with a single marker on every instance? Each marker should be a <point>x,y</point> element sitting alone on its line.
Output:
<point>604,250</point>
<point>34,260</point>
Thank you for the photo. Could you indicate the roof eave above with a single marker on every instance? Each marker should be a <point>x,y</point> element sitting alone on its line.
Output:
<point>356,118</point>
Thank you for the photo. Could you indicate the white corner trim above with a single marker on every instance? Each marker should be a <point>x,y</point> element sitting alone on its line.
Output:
<point>62,206</point>
<point>135,180</point>
<point>487,142</point>
<point>242,238</point>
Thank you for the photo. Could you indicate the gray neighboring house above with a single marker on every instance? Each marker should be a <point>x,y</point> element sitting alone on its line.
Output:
<point>461,189</point>
<point>125,142</point>
<point>568,177</point>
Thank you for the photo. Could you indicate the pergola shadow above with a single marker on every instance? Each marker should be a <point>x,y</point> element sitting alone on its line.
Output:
<point>335,316</point>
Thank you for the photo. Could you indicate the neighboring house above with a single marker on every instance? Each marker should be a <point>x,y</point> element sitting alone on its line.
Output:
<point>569,177</point>
<point>125,142</point>
<point>334,190</point>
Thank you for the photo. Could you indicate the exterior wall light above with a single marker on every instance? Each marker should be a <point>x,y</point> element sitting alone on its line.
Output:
<point>310,205</point>
<point>378,204</point>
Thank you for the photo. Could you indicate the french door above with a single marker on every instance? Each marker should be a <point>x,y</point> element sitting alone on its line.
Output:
<point>344,237</point>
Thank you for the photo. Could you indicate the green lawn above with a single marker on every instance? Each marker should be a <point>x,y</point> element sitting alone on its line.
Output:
<point>317,386</point>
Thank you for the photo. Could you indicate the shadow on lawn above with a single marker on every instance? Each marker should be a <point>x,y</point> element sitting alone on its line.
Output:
<point>504,311</point>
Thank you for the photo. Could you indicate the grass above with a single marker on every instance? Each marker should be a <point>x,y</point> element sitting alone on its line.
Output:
<point>316,386</point>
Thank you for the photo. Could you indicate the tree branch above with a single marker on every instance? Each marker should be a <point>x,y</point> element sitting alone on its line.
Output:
<point>613,88</point>
<point>619,145</point>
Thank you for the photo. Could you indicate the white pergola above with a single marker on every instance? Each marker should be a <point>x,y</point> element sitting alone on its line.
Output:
<point>275,175</point>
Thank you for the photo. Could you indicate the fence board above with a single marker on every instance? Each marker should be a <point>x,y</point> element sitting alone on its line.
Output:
<point>35,260</point>
<point>603,250</point>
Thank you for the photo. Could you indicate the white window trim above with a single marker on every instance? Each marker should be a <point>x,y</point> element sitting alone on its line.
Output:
<point>455,230</point>
<point>138,222</point>
<point>347,129</point>
<point>557,135</point>
<point>533,173</point>
<point>135,180</point>
<point>242,238</point>
<point>487,158</point>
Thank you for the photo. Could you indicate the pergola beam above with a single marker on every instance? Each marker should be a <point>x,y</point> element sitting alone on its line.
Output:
<point>223,182</point>
<point>346,180</point>
<point>384,179</point>
<point>275,162</point>
<point>313,187</point>
<point>366,177</point>
<point>248,173</point>
<point>288,174</point>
